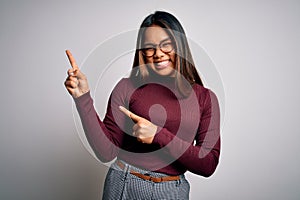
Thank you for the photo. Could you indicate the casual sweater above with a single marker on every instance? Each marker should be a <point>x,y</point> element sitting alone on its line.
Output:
<point>188,134</point>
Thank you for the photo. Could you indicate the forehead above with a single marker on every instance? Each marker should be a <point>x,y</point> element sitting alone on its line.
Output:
<point>155,34</point>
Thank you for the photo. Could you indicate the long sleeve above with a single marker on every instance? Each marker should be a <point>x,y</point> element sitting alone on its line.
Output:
<point>105,137</point>
<point>202,157</point>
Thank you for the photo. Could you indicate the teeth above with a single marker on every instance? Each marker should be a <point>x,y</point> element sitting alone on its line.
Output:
<point>163,62</point>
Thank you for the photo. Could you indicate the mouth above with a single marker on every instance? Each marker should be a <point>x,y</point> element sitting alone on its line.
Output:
<point>162,64</point>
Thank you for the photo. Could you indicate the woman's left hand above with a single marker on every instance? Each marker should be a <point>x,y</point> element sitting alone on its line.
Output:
<point>143,130</point>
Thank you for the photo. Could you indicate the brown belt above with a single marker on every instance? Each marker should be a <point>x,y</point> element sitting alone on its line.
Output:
<point>149,178</point>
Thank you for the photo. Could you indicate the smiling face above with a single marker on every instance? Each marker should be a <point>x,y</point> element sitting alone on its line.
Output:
<point>158,42</point>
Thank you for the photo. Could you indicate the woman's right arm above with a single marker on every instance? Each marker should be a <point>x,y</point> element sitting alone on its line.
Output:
<point>105,137</point>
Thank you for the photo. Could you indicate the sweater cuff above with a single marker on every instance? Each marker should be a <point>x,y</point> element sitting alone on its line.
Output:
<point>83,97</point>
<point>83,102</point>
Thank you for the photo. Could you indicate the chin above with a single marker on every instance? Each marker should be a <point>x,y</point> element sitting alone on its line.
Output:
<point>166,72</point>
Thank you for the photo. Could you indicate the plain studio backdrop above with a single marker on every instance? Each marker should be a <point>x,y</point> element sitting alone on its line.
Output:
<point>254,45</point>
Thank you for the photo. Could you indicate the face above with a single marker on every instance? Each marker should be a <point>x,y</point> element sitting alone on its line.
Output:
<point>159,43</point>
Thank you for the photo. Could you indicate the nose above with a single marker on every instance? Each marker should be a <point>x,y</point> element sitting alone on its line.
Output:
<point>158,53</point>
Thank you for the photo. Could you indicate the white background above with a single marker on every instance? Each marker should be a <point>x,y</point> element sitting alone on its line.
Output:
<point>255,46</point>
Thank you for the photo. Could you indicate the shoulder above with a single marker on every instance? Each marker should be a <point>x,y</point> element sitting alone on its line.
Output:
<point>124,81</point>
<point>123,88</point>
<point>199,88</point>
<point>124,84</point>
<point>204,95</point>
<point>200,91</point>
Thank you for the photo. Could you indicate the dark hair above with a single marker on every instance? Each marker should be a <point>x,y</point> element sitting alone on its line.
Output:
<point>184,61</point>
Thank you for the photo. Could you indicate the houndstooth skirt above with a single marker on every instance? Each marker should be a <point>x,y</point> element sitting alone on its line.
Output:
<point>120,184</point>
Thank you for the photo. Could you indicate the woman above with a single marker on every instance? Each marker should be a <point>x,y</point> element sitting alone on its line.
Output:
<point>160,122</point>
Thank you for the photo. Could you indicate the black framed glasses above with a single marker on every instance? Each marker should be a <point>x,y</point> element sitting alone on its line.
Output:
<point>150,49</point>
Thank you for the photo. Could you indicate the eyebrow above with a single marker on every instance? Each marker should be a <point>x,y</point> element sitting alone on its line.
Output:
<point>149,43</point>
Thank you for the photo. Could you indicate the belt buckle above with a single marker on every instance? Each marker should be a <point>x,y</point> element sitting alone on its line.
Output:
<point>155,179</point>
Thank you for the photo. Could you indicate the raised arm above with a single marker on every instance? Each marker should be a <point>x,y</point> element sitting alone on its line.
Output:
<point>104,138</point>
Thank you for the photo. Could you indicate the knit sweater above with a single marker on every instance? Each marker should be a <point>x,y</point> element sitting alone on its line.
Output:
<point>188,134</point>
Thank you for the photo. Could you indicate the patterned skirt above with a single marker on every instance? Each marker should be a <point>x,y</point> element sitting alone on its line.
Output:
<point>120,184</point>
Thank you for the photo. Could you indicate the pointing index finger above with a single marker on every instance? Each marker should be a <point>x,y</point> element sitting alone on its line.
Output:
<point>72,60</point>
<point>125,111</point>
<point>131,115</point>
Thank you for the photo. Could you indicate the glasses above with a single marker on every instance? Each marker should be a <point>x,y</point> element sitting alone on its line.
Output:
<point>150,49</point>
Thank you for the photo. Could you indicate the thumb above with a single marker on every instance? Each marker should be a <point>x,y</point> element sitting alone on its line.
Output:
<point>130,114</point>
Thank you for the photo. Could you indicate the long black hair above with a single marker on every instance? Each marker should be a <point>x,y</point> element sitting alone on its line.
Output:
<point>184,63</point>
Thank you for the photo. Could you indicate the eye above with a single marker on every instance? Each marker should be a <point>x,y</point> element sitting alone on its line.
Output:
<point>148,50</point>
<point>166,47</point>
<point>166,44</point>
<point>147,47</point>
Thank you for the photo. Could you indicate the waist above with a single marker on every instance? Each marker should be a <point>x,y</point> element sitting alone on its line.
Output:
<point>145,174</point>
<point>154,162</point>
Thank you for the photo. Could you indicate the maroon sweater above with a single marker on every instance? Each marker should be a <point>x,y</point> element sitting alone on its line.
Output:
<point>188,137</point>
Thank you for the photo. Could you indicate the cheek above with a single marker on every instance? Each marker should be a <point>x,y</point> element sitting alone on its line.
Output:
<point>149,60</point>
<point>173,58</point>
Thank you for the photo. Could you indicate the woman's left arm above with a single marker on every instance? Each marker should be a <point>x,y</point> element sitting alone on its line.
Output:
<point>202,157</point>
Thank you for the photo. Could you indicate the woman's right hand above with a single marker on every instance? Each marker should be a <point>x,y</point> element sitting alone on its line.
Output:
<point>76,82</point>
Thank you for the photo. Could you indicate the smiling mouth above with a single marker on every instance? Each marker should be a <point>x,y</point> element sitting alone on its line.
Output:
<point>162,64</point>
